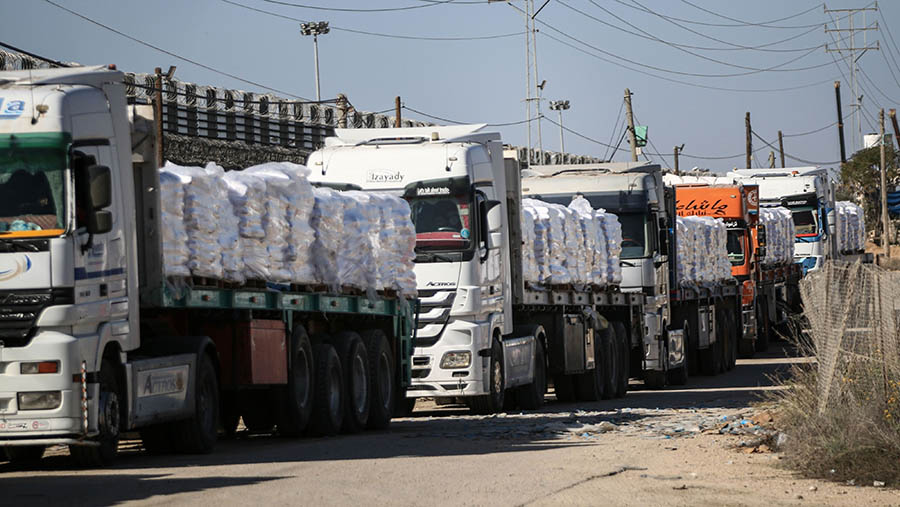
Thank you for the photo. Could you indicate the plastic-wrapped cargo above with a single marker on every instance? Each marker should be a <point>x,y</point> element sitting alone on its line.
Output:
<point>247,192</point>
<point>701,251</point>
<point>328,222</point>
<point>779,226</point>
<point>530,268</point>
<point>403,247</point>
<point>202,195</point>
<point>174,244</point>
<point>289,205</point>
<point>851,227</point>
<point>612,232</point>
<point>541,246</point>
<point>229,237</point>
<point>356,260</point>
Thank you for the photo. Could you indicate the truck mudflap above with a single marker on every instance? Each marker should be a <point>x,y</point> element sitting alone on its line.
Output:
<point>676,348</point>
<point>162,389</point>
<point>518,360</point>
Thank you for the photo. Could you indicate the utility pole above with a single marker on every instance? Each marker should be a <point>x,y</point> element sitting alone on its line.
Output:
<point>676,152</point>
<point>559,106</point>
<point>771,159</point>
<point>840,120</point>
<point>631,134</point>
<point>893,114</point>
<point>158,113</point>
<point>781,148</point>
<point>397,108</point>
<point>315,29</point>
<point>749,139</point>
<point>851,51</point>
<point>885,231</point>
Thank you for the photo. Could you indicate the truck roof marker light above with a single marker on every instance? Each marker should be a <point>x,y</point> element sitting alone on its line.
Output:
<point>435,136</point>
<point>111,66</point>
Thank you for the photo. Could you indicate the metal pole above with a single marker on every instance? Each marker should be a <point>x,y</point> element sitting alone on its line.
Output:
<point>893,114</point>
<point>676,160</point>
<point>630,116</point>
<point>781,147</point>
<point>562,146</point>
<point>158,113</point>
<point>316,52</point>
<point>749,139</point>
<point>885,232</point>
<point>840,124</point>
<point>528,34</point>
<point>397,108</point>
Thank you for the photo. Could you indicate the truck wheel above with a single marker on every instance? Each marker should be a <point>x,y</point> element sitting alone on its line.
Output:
<point>624,359</point>
<point>25,455</point>
<point>711,356</point>
<point>109,421</point>
<point>763,327</point>
<point>198,434</point>
<point>297,396</point>
<point>564,387</point>
<point>679,376</point>
<point>598,384</point>
<point>493,402</point>
<point>531,396</point>
<point>383,384</point>
<point>328,404</point>
<point>355,362</point>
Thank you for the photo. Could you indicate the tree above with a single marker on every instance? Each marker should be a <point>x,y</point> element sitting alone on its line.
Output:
<point>861,181</point>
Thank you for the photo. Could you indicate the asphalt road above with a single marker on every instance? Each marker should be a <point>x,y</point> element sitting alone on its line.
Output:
<point>445,456</point>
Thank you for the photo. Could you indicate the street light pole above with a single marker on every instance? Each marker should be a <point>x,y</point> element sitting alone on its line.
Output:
<point>315,29</point>
<point>559,106</point>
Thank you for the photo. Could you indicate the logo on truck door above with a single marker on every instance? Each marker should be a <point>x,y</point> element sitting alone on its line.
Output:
<point>11,108</point>
<point>20,265</point>
<point>383,176</point>
<point>162,381</point>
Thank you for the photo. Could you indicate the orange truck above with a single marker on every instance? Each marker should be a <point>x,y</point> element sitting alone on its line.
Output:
<point>768,293</point>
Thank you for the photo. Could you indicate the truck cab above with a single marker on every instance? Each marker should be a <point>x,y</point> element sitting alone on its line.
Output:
<point>453,179</point>
<point>808,192</point>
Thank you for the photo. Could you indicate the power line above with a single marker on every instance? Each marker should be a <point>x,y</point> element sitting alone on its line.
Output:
<point>692,74</point>
<point>347,9</point>
<point>732,25</point>
<point>891,35</point>
<point>447,120</point>
<point>612,135</point>
<point>816,131</point>
<point>871,82</point>
<point>375,34</point>
<point>174,55</point>
<point>811,162</point>
<point>764,23</point>
<point>686,83</point>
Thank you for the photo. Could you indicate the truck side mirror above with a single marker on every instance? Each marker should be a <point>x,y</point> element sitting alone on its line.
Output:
<point>99,222</point>
<point>494,211</point>
<point>663,242</point>
<point>99,187</point>
<point>761,235</point>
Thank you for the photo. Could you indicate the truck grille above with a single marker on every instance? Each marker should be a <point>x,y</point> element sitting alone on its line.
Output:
<point>20,308</point>
<point>434,313</point>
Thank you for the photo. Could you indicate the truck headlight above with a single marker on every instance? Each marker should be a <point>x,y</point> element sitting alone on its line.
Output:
<point>40,400</point>
<point>456,359</point>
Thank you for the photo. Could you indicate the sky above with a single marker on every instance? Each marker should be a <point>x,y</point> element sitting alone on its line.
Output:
<point>678,52</point>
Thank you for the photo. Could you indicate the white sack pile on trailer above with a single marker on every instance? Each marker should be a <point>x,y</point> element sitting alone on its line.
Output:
<point>203,194</point>
<point>575,244</point>
<point>701,251</point>
<point>779,227</point>
<point>268,223</point>
<point>851,227</point>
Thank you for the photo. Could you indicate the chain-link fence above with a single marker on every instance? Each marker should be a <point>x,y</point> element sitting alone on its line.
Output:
<point>854,323</point>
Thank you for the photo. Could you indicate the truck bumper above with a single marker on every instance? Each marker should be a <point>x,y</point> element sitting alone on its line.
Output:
<point>430,379</point>
<point>61,424</point>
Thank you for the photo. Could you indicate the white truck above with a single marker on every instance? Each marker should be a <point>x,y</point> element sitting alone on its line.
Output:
<point>482,338</point>
<point>95,341</point>
<point>680,330</point>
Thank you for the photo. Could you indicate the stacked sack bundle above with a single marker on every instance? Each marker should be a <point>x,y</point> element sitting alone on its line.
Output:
<point>202,196</point>
<point>701,251</point>
<point>247,193</point>
<point>550,238</point>
<point>356,261</point>
<point>530,270</point>
<point>174,236</point>
<point>779,226</point>
<point>402,247</point>
<point>612,231</point>
<point>851,227</point>
<point>228,227</point>
<point>328,222</point>
<point>595,242</point>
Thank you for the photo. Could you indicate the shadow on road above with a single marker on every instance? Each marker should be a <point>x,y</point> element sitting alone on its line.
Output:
<point>429,433</point>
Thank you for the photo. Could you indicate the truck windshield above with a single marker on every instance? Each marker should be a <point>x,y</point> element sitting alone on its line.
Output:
<point>735,245</point>
<point>805,223</point>
<point>32,184</point>
<point>442,223</point>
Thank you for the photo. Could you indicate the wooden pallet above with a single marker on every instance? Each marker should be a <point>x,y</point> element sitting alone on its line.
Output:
<point>202,281</point>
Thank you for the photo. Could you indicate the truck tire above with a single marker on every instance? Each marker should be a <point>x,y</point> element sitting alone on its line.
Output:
<point>624,355</point>
<point>679,376</point>
<point>25,455</point>
<point>564,387</point>
<point>198,434</point>
<point>297,396</point>
<point>493,402</point>
<point>531,396</point>
<point>763,326</point>
<point>110,415</point>
<point>355,364</point>
<point>599,383</point>
<point>711,356</point>
<point>328,405</point>
<point>383,384</point>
